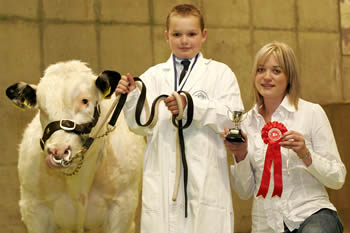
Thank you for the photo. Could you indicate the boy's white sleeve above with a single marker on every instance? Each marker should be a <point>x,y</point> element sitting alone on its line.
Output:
<point>214,112</point>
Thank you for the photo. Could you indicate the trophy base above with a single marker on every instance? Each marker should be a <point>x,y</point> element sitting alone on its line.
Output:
<point>235,136</point>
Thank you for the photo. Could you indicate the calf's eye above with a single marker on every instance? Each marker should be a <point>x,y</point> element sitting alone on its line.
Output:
<point>85,101</point>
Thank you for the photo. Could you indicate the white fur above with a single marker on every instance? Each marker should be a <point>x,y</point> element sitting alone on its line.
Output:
<point>104,195</point>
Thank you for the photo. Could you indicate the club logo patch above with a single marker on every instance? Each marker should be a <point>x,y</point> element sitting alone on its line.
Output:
<point>200,94</point>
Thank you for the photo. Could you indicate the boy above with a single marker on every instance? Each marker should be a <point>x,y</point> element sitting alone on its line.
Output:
<point>214,89</point>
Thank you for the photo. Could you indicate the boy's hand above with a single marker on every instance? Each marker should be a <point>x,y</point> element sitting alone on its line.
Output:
<point>125,85</point>
<point>171,103</point>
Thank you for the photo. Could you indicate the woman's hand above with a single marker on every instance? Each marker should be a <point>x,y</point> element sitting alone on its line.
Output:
<point>239,149</point>
<point>295,141</point>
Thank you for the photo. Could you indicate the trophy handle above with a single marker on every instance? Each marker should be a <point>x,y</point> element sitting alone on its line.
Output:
<point>227,113</point>
<point>244,115</point>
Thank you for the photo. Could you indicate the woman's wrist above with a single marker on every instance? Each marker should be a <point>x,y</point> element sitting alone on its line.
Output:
<point>306,157</point>
<point>240,156</point>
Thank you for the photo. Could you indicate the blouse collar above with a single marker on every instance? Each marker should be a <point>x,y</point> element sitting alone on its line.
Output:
<point>285,104</point>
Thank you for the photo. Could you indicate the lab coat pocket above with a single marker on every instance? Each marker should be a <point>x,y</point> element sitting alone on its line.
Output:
<point>151,191</point>
<point>211,219</point>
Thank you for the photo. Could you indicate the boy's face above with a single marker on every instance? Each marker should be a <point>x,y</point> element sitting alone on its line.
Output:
<point>184,36</point>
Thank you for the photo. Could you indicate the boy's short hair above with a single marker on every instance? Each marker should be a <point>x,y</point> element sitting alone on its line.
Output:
<point>288,63</point>
<point>185,10</point>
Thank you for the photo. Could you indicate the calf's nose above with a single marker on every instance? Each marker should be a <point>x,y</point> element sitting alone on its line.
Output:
<point>58,153</point>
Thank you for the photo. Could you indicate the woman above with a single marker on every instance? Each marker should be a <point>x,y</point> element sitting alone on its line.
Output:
<point>288,176</point>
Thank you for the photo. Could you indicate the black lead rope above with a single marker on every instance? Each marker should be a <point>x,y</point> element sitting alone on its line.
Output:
<point>178,125</point>
<point>118,109</point>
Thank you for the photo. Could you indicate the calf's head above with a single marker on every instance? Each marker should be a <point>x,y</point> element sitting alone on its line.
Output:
<point>68,97</point>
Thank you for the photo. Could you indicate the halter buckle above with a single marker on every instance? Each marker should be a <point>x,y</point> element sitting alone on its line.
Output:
<point>67,128</point>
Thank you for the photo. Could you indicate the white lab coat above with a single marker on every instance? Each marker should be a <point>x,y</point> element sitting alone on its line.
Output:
<point>214,89</point>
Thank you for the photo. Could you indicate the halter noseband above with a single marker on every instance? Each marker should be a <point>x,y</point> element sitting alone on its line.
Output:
<point>69,126</point>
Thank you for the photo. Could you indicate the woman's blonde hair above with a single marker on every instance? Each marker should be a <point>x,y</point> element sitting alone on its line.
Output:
<point>288,63</point>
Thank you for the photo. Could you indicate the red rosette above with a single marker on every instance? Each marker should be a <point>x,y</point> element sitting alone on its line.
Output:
<point>272,134</point>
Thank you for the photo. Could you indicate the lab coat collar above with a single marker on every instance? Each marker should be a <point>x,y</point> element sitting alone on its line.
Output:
<point>196,73</point>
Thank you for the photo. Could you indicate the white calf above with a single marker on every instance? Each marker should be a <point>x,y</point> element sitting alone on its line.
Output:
<point>104,193</point>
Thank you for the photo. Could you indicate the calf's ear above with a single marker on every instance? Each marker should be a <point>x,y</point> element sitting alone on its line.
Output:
<point>107,82</point>
<point>22,95</point>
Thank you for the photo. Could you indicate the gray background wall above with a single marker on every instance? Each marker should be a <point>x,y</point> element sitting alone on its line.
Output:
<point>128,36</point>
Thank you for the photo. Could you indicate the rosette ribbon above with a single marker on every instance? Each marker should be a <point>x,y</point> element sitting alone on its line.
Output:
<point>272,135</point>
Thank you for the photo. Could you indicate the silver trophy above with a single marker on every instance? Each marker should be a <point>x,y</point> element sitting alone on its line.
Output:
<point>235,134</point>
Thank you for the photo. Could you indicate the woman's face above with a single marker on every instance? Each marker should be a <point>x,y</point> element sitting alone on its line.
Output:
<point>270,81</point>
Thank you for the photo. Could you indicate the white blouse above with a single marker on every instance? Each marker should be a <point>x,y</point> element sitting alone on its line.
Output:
<point>304,191</point>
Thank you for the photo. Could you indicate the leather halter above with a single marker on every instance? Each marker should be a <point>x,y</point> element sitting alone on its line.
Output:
<point>69,126</point>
